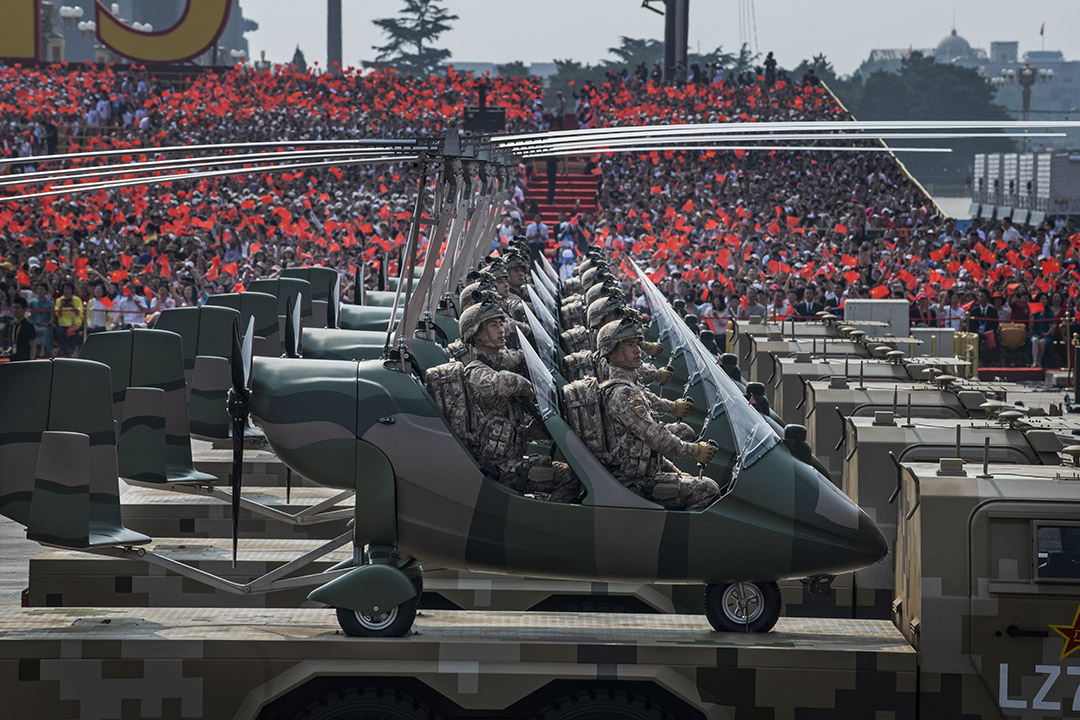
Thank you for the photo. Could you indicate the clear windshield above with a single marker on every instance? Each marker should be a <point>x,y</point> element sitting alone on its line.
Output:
<point>542,380</point>
<point>542,312</point>
<point>544,342</point>
<point>542,290</point>
<point>551,272</point>
<point>753,435</point>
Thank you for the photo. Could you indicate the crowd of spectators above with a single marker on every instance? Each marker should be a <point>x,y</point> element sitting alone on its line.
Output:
<point>733,233</point>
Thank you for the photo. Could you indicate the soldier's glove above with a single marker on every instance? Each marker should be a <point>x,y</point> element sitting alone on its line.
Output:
<point>530,393</point>
<point>652,348</point>
<point>681,408</point>
<point>703,453</point>
<point>663,375</point>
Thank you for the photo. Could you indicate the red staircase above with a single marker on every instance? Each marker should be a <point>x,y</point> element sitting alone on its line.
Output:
<point>575,192</point>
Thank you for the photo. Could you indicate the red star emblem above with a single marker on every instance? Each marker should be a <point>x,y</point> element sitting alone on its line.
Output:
<point>1071,633</point>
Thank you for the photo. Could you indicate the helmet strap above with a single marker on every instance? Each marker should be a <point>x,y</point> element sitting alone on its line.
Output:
<point>620,357</point>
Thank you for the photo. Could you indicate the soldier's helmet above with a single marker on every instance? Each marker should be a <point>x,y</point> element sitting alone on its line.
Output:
<point>515,260</point>
<point>600,308</point>
<point>471,293</point>
<point>606,287</point>
<point>483,308</point>
<point>497,270</point>
<point>594,275</point>
<point>614,333</point>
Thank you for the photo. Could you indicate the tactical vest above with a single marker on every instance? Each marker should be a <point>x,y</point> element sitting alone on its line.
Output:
<point>629,457</point>
<point>584,413</point>
<point>446,383</point>
<point>579,365</point>
<point>572,313</point>
<point>576,339</point>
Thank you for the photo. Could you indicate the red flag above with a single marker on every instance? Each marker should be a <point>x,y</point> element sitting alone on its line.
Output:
<point>118,275</point>
<point>1049,267</point>
<point>163,267</point>
<point>50,266</point>
<point>1034,307</point>
<point>229,268</point>
<point>840,229</point>
<point>106,301</point>
<point>851,276</point>
<point>125,261</point>
<point>848,261</point>
<point>879,292</point>
<point>23,278</point>
<point>213,271</point>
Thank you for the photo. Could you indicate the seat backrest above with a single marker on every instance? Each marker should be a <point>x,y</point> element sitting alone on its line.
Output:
<point>205,330</point>
<point>286,289</point>
<point>260,306</point>
<point>446,385</point>
<point>322,279</point>
<point>26,388</point>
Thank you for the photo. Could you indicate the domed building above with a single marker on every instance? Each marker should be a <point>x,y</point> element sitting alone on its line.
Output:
<point>953,49</point>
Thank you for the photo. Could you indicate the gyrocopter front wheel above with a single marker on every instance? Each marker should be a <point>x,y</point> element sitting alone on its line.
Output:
<point>391,622</point>
<point>743,606</point>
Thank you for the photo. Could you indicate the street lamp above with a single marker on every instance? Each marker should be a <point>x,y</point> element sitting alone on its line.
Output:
<point>1026,76</point>
<point>68,13</point>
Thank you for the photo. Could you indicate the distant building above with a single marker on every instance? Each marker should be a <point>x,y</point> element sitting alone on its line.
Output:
<point>1055,99</point>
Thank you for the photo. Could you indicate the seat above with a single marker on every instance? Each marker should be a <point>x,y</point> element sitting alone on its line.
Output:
<point>286,289</point>
<point>325,282</point>
<point>1013,335</point>
<point>142,358</point>
<point>59,454</point>
<point>263,308</point>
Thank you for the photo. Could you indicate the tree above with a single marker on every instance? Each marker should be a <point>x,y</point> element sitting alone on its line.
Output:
<point>926,90</point>
<point>411,36</point>
<point>514,69</point>
<point>631,52</point>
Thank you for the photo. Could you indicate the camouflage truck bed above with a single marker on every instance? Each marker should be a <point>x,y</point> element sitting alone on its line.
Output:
<point>267,664</point>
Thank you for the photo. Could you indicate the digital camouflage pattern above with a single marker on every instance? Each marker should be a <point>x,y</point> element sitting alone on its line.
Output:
<point>68,664</point>
<point>638,448</point>
<point>990,602</point>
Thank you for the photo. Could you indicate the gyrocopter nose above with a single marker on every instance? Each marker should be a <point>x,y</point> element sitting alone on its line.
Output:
<point>833,531</point>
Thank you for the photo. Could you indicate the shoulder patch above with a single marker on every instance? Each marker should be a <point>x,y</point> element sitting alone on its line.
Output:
<point>637,404</point>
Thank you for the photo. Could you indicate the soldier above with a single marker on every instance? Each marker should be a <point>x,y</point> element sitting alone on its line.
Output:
<point>638,445</point>
<point>497,401</point>
<point>517,266</point>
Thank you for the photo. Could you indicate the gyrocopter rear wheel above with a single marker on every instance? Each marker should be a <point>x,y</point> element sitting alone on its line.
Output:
<point>743,606</point>
<point>389,622</point>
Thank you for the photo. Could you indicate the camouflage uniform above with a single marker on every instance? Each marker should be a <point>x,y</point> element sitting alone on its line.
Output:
<point>498,438</point>
<point>638,446</point>
<point>658,405</point>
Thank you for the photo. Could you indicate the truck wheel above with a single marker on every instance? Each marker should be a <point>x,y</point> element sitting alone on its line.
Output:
<point>394,622</point>
<point>601,704</point>
<point>368,703</point>
<point>743,607</point>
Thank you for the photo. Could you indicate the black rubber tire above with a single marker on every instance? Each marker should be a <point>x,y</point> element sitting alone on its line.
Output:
<point>368,703</point>
<point>396,623</point>
<point>604,704</point>
<point>761,621</point>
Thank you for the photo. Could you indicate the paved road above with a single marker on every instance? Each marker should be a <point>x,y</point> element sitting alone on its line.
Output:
<point>15,552</point>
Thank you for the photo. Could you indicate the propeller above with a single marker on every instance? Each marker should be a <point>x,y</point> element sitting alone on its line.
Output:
<point>358,285</point>
<point>238,406</point>
<point>333,308</point>
<point>293,329</point>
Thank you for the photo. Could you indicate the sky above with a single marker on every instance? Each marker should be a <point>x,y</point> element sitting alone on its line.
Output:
<point>542,30</point>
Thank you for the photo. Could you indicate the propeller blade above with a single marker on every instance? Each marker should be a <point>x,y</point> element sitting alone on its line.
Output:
<point>333,308</point>
<point>358,285</point>
<point>237,405</point>
<point>248,350</point>
<point>297,328</point>
<point>290,328</point>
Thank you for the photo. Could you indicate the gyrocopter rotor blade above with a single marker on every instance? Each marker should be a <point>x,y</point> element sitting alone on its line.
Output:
<point>239,404</point>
